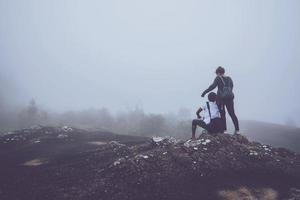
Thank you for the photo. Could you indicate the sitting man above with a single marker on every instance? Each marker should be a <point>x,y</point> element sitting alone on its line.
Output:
<point>211,120</point>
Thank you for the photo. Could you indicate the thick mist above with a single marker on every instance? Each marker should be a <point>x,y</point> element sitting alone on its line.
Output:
<point>145,61</point>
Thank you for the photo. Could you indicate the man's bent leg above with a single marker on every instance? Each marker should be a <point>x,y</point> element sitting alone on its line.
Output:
<point>198,122</point>
<point>194,127</point>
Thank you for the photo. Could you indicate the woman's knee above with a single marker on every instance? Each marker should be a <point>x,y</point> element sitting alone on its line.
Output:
<point>232,114</point>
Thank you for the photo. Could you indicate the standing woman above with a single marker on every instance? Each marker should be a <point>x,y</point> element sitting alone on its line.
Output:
<point>225,97</point>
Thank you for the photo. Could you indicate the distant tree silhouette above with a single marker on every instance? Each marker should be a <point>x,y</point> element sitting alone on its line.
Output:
<point>29,116</point>
<point>32,109</point>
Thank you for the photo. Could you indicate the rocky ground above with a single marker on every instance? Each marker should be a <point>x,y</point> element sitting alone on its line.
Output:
<point>66,163</point>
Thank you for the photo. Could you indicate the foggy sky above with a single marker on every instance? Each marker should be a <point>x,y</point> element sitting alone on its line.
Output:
<point>158,55</point>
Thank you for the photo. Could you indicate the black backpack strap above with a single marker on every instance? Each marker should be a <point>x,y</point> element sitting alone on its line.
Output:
<point>208,107</point>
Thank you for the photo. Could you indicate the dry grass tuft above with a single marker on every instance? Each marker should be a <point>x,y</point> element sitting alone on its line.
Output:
<point>244,193</point>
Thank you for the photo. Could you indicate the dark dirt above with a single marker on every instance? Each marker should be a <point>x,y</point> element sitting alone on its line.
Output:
<point>46,163</point>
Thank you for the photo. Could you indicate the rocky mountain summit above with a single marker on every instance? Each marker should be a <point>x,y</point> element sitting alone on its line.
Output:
<point>67,163</point>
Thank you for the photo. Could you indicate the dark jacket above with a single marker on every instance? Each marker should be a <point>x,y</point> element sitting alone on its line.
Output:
<point>219,83</point>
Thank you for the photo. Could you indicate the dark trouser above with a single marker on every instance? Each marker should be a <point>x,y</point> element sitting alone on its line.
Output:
<point>228,103</point>
<point>213,127</point>
<point>201,123</point>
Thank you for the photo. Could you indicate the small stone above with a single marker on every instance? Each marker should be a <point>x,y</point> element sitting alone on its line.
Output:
<point>117,163</point>
<point>157,139</point>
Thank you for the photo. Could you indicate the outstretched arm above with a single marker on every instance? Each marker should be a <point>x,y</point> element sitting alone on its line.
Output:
<point>198,113</point>
<point>211,87</point>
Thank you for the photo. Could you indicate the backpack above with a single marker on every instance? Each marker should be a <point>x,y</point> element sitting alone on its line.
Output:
<point>226,92</point>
